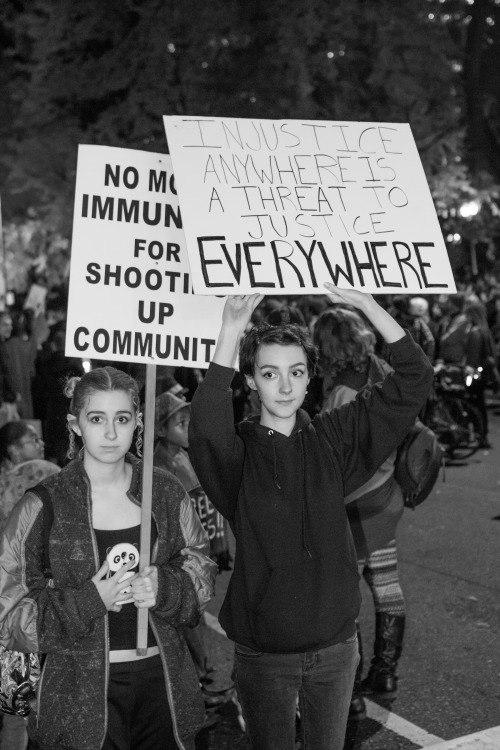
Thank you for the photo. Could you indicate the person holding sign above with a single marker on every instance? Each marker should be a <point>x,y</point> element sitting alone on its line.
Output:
<point>280,478</point>
<point>97,692</point>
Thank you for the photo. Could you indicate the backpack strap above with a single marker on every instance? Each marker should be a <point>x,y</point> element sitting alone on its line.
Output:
<point>48,519</point>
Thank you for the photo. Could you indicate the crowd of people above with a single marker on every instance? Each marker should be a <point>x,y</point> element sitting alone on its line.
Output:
<point>284,455</point>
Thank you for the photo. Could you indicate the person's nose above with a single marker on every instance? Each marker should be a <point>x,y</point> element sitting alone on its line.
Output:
<point>285,384</point>
<point>110,431</point>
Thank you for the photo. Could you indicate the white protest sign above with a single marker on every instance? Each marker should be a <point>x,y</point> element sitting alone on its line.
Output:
<point>283,206</point>
<point>130,293</point>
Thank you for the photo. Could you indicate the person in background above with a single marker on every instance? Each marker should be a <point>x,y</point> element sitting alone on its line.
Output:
<point>21,466</point>
<point>172,415</point>
<point>480,353</point>
<point>453,330</point>
<point>97,691</point>
<point>28,334</point>
<point>52,368</point>
<point>280,479</point>
<point>416,325</point>
<point>9,394</point>
<point>347,364</point>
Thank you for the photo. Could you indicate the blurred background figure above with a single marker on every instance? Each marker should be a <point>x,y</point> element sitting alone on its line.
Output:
<point>409,315</point>
<point>21,466</point>
<point>9,395</point>
<point>52,368</point>
<point>22,463</point>
<point>480,355</point>
<point>172,416</point>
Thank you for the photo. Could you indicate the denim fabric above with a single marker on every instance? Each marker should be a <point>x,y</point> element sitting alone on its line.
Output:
<point>268,686</point>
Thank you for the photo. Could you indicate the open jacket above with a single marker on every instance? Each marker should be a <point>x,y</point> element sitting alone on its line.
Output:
<point>67,620</point>
<point>294,586</point>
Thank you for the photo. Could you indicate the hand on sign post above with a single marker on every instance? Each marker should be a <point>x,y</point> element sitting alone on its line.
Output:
<point>385,324</point>
<point>145,587</point>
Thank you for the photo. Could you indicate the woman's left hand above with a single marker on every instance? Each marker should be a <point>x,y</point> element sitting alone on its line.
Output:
<point>352,297</point>
<point>144,587</point>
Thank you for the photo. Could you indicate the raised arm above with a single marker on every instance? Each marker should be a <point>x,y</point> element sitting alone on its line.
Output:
<point>235,319</point>
<point>380,319</point>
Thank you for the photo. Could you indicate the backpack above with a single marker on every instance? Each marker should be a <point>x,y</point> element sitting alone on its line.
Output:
<point>20,672</point>
<point>419,458</point>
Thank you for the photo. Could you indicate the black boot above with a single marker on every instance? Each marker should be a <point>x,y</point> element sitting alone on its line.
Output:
<point>381,677</point>
<point>357,709</point>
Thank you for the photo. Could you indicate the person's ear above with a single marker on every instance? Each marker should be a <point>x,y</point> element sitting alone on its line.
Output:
<point>251,382</point>
<point>73,424</point>
<point>162,431</point>
<point>13,451</point>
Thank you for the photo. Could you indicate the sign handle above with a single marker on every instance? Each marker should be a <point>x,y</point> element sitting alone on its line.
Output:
<point>147,491</point>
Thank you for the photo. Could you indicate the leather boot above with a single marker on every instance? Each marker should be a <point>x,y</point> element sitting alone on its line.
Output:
<point>381,677</point>
<point>357,709</point>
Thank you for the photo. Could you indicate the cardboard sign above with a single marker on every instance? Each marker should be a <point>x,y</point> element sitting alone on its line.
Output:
<point>282,206</point>
<point>130,293</point>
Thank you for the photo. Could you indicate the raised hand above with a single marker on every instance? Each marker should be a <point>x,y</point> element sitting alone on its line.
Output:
<point>110,589</point>
<point>239,308</point>
<point>351,297</point>
<point>235,319</point>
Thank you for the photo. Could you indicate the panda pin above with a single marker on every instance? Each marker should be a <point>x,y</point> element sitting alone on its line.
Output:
<point>117,557</point>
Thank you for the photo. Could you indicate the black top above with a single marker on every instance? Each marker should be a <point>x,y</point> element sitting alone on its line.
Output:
<point>123,625</point>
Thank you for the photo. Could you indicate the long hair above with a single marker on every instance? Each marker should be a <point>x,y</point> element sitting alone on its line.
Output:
<point>344,341</point>
<point>103,379</point>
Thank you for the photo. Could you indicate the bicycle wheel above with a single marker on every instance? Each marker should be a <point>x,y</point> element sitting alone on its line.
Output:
<point>470,422</point>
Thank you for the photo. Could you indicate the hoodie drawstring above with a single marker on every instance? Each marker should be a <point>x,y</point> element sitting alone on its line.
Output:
<point>305,545</point>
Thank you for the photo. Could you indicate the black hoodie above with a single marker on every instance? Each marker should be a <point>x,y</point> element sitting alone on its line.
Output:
<point>294,586</point>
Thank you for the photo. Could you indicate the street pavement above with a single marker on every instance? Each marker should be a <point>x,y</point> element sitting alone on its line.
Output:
<point>449,687</point>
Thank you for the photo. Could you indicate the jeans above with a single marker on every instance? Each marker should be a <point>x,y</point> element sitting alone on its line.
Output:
<point>268,685</point>
<point>138,710</point>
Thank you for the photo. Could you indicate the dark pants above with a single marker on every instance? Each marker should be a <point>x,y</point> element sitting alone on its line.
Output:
<point>268,685</point>
<point>138,710</point>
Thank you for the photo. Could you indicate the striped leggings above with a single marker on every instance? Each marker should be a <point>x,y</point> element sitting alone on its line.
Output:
<point>380,571</point>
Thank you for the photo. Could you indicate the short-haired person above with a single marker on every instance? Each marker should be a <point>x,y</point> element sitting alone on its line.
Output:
<point>281,478</point>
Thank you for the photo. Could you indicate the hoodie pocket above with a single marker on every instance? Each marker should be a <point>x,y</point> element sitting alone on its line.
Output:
<point>307,604</point>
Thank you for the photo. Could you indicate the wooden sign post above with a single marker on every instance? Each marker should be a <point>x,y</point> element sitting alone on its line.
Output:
<point>147,494</point>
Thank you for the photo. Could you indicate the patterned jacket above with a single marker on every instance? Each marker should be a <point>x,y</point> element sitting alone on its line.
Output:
<point>68,621</point>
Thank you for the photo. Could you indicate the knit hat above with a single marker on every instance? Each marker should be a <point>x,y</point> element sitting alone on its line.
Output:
<point>166,405</point>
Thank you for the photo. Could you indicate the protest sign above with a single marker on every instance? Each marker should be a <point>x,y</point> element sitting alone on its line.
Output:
<point>280,207</point>
<point>130,293</point>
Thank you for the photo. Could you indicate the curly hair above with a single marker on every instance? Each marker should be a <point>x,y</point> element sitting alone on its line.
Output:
<point>344,341</point>
<point>285,335</point>
<point>79,390</point>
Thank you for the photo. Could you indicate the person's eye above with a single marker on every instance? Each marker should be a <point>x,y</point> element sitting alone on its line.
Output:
<point>298,373</point>
<point>95,420</point>
<point>123,420</point>
<point>268,375</point>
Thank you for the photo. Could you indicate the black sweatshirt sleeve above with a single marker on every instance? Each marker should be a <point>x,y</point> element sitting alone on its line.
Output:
<point>215,449</point>
<point>366,431</point>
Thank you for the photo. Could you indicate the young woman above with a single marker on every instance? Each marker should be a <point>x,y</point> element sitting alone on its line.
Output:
<point>95,691</point>
<point>347,364</point>
<point>280,479</point>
